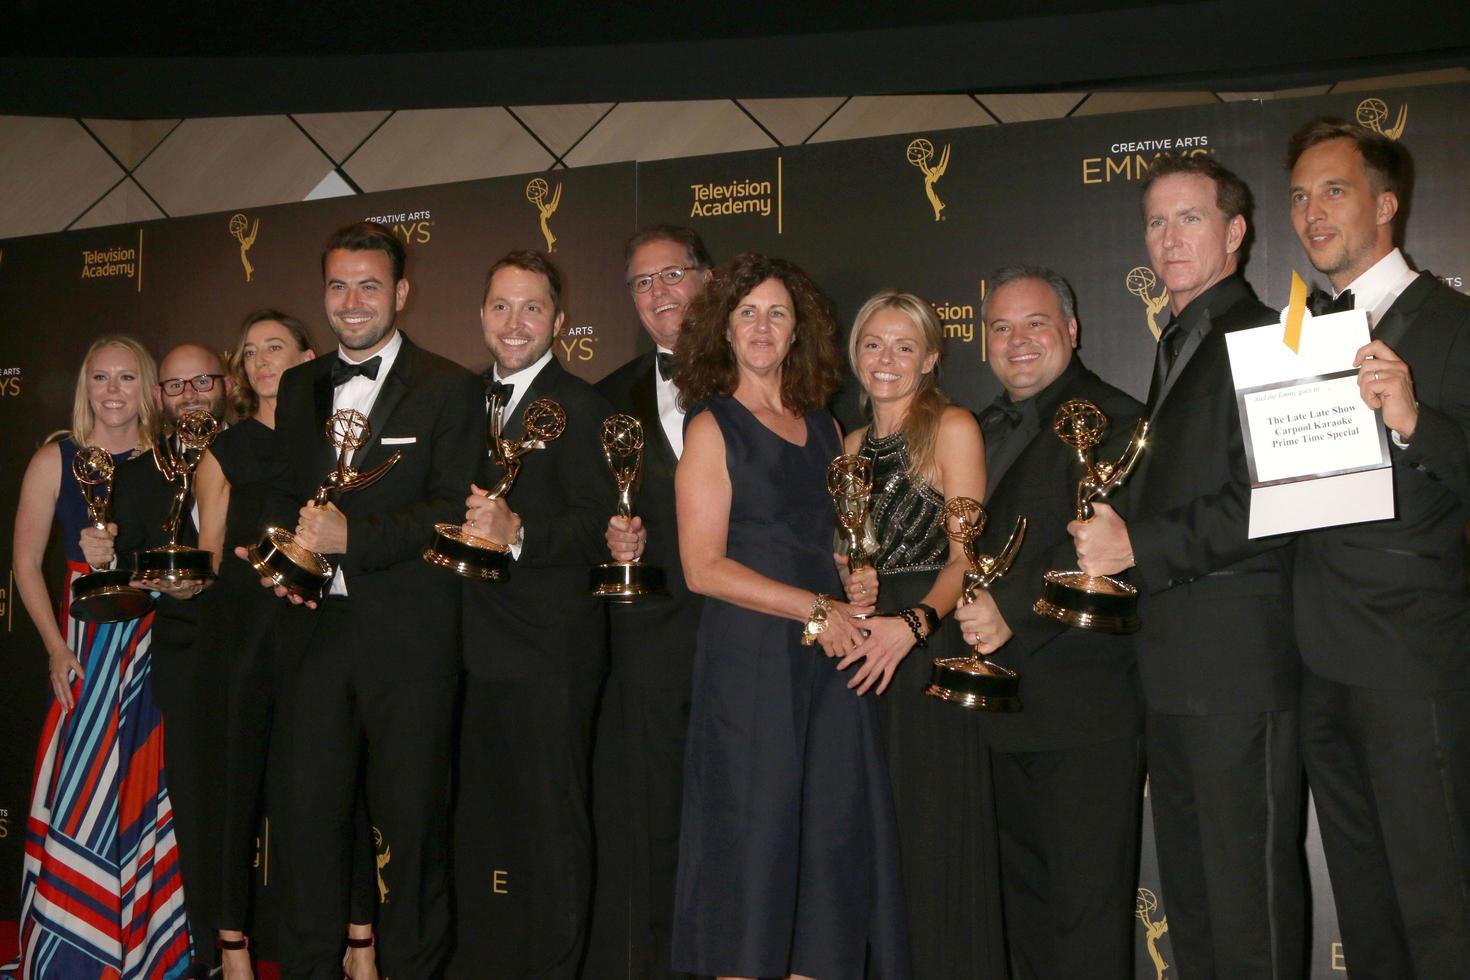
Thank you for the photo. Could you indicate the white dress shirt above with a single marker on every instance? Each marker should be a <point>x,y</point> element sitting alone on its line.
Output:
<point>670,415</point>
<point>522,381</point>
<point>360,393</point>
<point>1380,287</point>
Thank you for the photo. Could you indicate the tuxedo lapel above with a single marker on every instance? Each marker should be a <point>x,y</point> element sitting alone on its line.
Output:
<point>998,463</point>
<point>1186,353</point>
<point>394,387</point>
<point>644,396</point>
<point>1394,324</point>
<point>321,390</point>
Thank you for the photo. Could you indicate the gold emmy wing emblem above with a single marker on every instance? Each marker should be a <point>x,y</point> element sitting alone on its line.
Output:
<point>1141,282</point>
<point>1373,113</point>
<point>920,152</point>
<point>384,855</point>
<point>238,224</point>
<point>1145,907</point>
<point>536,192</point>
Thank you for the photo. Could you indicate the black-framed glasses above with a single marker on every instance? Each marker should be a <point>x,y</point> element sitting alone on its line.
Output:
<point>201,382</point>
<point>671,276</point>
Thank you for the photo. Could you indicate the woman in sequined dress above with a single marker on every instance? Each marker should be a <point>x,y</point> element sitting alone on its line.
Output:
<point>924,451</point>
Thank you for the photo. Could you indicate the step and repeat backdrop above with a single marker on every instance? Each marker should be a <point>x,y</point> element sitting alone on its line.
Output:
<point>929,212</point>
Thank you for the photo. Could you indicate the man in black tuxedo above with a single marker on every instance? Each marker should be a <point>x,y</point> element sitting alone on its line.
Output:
<point>1215,653</point>
<point>369,694</point>
<point>1382,611</point>
<point>645,706</point>
<point>535,653</point>
<point>184,677</point>
<point>1067,871</point>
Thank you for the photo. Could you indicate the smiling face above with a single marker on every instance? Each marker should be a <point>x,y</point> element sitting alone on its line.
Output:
<point>362,299</point>
<point>268,351</point>
<point>1191,244</point>
<point>662,308</point>
<point>184,363</point>
<point>892,356</point>
<point>519,318</point>
<point>114,387</point>
<point>1343,223</point>
<point>761,327</point>
<point>1029,341</point>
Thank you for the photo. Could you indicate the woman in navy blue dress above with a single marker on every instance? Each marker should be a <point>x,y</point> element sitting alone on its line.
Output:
<point>788,850</point>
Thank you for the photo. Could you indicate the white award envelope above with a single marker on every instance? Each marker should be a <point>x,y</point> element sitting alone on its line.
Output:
<point>1318,456</point>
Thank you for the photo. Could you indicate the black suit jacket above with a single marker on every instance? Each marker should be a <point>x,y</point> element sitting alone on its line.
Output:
<point>433,411</point>
<point>1385,605</point>
<point>1214,604</point>
<point>664,626</point>
<point>544,614</point>
<point>141,498</point>
<point>1077,687</point>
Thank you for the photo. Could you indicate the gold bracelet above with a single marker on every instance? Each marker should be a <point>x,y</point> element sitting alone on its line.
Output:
<point>816,621</point>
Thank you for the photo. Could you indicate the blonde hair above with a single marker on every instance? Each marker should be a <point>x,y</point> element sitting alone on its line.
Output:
<point>83,419</point>
<point>920,425</point>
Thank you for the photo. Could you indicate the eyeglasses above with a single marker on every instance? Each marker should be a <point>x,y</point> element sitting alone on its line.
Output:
<point>671,276</point>
<point>203,382</point>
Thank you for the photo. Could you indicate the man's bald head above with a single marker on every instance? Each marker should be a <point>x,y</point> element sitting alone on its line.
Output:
<point>186,367</point>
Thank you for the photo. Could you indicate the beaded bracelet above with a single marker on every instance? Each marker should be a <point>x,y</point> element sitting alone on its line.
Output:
<point>911,617</point>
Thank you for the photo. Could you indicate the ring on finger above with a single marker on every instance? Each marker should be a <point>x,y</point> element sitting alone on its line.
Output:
<point>1375,375</point>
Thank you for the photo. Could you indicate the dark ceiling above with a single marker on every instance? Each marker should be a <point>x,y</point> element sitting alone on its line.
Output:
<point>168,59</point>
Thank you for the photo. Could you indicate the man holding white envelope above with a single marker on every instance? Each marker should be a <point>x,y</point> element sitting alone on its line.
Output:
<point>1382,610</point>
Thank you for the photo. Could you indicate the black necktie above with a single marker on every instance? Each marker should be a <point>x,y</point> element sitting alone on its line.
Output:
<point>665,365</point>
<point>1321,302</point>
<point>345,371</point>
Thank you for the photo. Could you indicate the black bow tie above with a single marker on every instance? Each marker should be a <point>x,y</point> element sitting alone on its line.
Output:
<point>1001,410</point>
<point>665,365</point>
<point>1321,302</point>
<point>500,390</point>
<point>345,371</point>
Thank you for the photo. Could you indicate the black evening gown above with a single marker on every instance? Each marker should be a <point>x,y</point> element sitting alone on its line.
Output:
<point>788,850</point>
<point>936,757</point>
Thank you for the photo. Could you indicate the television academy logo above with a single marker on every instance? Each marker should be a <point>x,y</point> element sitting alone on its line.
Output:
<point>238,224</point>
<point>920,153</point>
<point>1373,113</point>
<point>536,191</point>
<point>1141,282</point>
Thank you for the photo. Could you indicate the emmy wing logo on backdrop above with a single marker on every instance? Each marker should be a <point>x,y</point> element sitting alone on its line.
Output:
<point>1141,282</point>
<point>920,154</point>
<point>536,191</point>
<point>1145,907</point>
<point>238,224</point>
<point>384,855</point>
<point>1373,113</point>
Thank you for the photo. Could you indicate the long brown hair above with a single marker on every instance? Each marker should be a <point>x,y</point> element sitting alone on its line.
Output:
<point>920,423</point>
<point>244,399</point>
<point>704,364</point>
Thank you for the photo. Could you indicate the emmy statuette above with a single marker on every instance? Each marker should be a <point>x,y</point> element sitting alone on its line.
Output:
<point>480,558</point>
<point>850,483</point>
<point>625,581</point>
<point>278,556</point>
<point>973,681</point>
<point>177,455</point>
<point>1100,603</point>
<point>103,595</point>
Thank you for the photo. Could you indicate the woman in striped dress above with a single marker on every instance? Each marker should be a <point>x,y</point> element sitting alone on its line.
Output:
<point>100,893</point>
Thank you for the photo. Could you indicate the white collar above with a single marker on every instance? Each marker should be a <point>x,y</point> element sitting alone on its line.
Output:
<point>388,352</point>
<point>1377,288</point>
